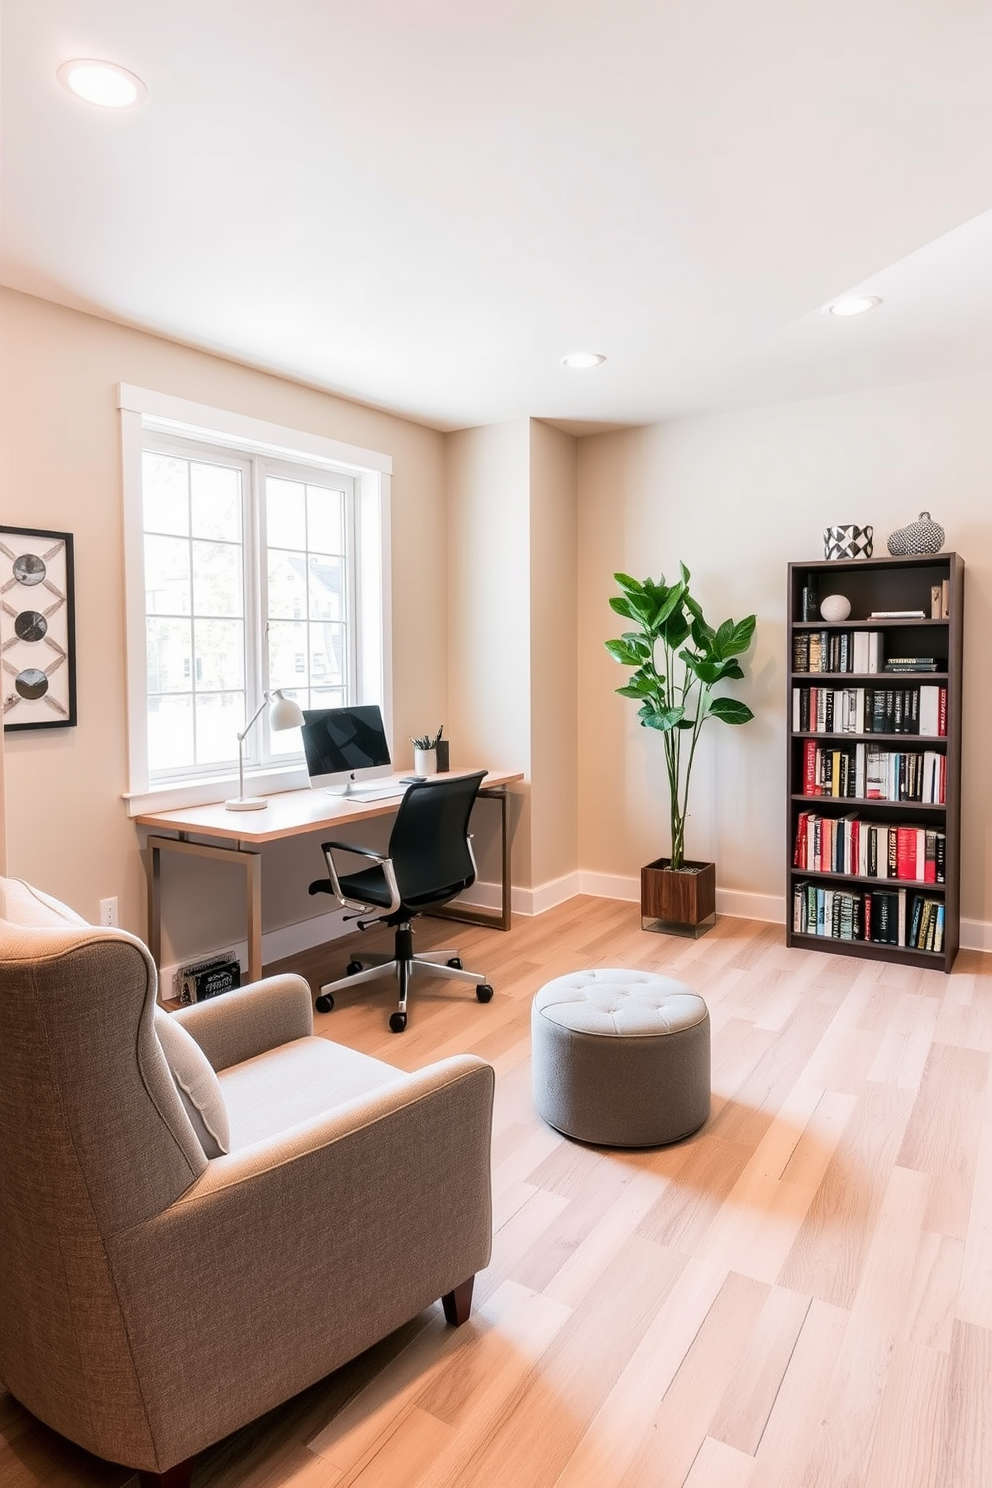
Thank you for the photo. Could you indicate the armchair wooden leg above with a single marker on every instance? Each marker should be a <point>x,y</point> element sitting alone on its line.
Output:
<point>179,1476</point>
<point>457,1304</point>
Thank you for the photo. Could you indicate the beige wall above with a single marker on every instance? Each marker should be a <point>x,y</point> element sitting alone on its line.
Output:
<point>488,484</point>
<point>512,642</point>
<point>738,496</point>
<point>66,826</point>
<point>505,540</point>
<point>553,655</point>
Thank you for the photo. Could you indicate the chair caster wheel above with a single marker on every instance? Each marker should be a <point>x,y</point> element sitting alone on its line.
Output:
<point>484,992</point>
<point>397,1022</point>
<point>325,1003</point>
<point>353,968</point>
<point>456,962</point>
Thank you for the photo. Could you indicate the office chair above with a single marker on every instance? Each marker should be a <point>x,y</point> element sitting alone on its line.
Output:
<point>428,861</point>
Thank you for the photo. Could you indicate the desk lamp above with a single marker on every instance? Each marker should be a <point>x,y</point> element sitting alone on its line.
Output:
<point>284,713</point>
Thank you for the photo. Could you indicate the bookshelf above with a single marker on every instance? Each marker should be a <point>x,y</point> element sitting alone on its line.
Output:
<point>874,803</point>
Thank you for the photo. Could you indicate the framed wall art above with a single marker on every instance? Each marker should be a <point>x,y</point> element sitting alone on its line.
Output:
<point>37,629</point>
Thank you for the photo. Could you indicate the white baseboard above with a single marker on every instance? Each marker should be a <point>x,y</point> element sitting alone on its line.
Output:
<point>976,935</point>
<point>277,945</point>
<point>734,902</point>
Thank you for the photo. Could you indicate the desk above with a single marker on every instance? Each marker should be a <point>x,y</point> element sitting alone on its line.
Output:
<point>238,836</point>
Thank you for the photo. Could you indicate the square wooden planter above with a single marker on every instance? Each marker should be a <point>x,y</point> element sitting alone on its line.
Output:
<point>678,903</point>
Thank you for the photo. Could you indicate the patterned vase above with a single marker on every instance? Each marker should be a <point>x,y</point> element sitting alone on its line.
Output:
<point>848,541</point>
<point>921,536</point>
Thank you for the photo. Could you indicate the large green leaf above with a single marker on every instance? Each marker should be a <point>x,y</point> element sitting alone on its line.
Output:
<point>631,586</point>
<point>730,710</point>
<point>623,607</point>
<point>702,633</point>
<point>736,638</point>
<point>662,719</point>
<point>723,638</point>
<point>621,650</point>
<point>641,685</point>
<point>707,671</point>
<point>669,603</point>
<point>675,629</point>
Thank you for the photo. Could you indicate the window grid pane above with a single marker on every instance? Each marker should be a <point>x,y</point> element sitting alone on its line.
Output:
<point>307,604</point>
<point>194,586</point>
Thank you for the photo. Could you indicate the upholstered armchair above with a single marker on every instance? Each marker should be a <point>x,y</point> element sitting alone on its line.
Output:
<point>202,1213</point>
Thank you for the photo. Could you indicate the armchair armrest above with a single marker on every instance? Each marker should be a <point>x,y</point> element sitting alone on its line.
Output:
<point>250,1020</point>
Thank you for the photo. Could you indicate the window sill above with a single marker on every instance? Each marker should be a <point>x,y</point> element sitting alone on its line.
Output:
<point>173,795</point>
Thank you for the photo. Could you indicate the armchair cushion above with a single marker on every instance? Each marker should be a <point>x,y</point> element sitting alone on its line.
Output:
<point>297,1082</point>
<point>198,1086</point>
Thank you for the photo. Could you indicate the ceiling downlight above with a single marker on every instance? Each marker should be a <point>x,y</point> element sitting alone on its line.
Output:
<point>102,83</point>
<point>852,305</point>
<point>581,361</point>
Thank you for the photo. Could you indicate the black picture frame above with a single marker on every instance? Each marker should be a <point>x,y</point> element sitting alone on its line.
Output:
<point>37,629</point>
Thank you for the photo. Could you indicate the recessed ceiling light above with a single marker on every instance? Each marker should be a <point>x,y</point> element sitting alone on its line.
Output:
<point>579,360</point>
<point>102,83</point>
<point>856,305</point>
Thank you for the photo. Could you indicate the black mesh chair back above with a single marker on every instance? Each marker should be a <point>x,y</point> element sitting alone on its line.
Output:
<point>429,861</point>
<point>429,844</point>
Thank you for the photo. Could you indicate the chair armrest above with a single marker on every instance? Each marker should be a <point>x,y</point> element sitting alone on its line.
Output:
<point>361,852</point>
<point>384,862</point>
<point>249,1020</point>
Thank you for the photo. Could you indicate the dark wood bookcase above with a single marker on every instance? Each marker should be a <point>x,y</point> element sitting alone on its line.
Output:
<point>878,584</point>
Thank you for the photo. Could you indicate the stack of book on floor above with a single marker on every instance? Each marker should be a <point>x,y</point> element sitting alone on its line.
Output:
<point>881,916</point>
<point>863,849</point>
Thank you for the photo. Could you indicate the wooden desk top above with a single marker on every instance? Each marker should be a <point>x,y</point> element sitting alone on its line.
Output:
<point>289,813</point>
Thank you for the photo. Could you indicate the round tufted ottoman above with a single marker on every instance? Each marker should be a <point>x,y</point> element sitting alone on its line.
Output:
<point>621,1058</point>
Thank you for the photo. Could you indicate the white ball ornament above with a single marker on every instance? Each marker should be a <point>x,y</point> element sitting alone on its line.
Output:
<point>835,607</point>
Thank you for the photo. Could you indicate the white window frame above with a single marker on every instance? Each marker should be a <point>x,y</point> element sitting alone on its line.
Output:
<point>142,409</point>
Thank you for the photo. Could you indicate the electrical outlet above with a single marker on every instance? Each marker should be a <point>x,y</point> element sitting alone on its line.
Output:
<point>108,913</point>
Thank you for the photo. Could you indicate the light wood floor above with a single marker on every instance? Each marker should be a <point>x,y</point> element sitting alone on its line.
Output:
<point>800,1296</point>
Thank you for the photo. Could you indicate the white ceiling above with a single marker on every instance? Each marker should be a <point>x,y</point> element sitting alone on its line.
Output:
<point>423,204</point>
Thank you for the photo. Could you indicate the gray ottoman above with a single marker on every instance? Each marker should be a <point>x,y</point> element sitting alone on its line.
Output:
<point>621,1058</point>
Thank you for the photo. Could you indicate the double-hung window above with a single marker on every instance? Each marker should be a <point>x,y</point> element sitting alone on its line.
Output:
<point>257,558</point>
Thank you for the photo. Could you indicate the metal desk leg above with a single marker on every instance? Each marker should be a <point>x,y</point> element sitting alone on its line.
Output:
<point>249,859</point>
<point>468,915</point>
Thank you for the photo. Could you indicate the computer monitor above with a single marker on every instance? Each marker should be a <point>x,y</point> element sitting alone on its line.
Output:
<point>345,746</point>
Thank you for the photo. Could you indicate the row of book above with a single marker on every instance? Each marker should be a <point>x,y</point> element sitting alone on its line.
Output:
<point>866,849</point>
<point>883,916</point>
<point>837,651</point>
<point>869,772</point>
<point>918,710</point>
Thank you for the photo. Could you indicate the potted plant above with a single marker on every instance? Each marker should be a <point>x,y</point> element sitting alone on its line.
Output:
<point>677,660</point>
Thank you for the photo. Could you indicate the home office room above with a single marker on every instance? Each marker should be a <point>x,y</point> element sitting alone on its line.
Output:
<point>488,994</point>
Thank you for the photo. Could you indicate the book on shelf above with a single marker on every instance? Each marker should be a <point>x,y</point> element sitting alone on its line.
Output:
<point>870,772</point>
<point>912,664</point>
<point>855,651</point>
<point>920,710</point>
<point>896,615</point>
<point>877,916</point>
<point>860,848</point>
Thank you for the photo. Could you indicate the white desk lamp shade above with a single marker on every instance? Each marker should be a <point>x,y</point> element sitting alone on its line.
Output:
<point>284,713</point>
